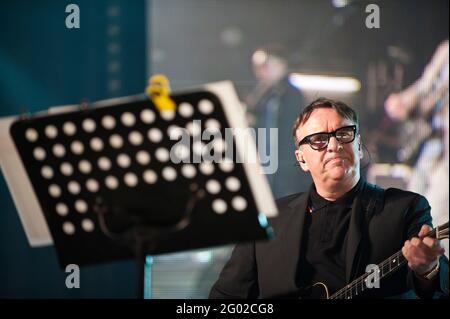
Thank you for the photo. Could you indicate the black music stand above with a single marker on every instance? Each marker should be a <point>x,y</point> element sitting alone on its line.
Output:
<point>107,179</point>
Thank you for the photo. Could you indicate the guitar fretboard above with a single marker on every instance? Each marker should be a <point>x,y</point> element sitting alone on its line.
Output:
<point>360,284</point>
<point>385,268</point>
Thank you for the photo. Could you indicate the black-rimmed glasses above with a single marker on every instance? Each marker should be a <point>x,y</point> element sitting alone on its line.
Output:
<point>319,141</point>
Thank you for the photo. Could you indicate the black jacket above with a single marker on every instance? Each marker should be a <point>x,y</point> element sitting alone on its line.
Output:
<point>268,269</point>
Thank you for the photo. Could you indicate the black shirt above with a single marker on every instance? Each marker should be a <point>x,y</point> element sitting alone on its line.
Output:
<point>325,239</point>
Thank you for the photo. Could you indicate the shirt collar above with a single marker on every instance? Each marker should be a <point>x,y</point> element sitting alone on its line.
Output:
<point>317,202</point>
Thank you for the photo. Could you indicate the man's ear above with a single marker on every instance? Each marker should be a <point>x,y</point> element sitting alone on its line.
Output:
<point>301,160</point>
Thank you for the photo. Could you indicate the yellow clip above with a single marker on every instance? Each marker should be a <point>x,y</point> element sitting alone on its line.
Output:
<point>158,91</point>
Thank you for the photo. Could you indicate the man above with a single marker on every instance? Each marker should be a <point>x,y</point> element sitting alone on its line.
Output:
<point>273,103</point>
<point>342,224</point>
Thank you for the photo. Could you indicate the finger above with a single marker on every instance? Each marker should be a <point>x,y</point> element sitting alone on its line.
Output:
<point>424,230</point>
<point>415,242</point>
<point>419,244</point>
<point>431,243</point>
<point>407,244</point>
<point>415,259</point>
<point>406,247</point>
<point>424,254</point>
<point>422,251</point>
<point>405,252</point>
<point>419,261</point>
<point>416,255</point>
<point>433,248</point>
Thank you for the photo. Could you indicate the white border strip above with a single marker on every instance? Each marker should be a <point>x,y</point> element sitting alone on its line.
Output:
<point>24,197</point>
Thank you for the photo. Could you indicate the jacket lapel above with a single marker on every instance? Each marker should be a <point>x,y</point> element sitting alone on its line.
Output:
<point>294,235</point>
<point>366,203</point>
<point>354,238</point>
<point>296,224</point>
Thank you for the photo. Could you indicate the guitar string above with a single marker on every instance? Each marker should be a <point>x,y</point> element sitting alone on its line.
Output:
<point>400,262</point>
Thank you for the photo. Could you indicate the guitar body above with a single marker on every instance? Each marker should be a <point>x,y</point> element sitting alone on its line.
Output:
<point>316,291</point>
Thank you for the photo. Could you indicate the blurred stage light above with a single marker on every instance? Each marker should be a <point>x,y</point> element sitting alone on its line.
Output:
<point>324,83</point>
<point>340,3</point>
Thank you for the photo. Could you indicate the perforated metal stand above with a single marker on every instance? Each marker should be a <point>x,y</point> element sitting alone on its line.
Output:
<point>148,169</point>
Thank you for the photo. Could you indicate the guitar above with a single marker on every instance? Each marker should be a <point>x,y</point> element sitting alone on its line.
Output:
<point>358,286</point>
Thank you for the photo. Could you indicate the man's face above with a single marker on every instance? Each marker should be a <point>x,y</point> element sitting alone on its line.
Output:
<point>336,162</point>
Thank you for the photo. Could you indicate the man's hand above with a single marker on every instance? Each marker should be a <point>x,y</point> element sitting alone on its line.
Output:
<point>422,253</point>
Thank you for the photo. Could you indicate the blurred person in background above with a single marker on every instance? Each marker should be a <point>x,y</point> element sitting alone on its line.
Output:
<point>424,106</point>
<point>273,103</point>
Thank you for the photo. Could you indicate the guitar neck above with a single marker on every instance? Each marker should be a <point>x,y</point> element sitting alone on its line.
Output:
<point>359,285</point>
<point>385,268</point>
